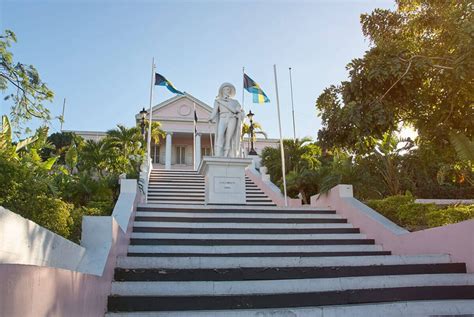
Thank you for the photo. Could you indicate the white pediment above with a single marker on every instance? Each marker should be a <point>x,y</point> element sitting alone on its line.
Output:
<point>180,108</point>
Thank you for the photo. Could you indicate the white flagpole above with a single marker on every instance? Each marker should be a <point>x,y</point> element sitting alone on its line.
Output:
<point>210,139</point>
<point>283,168</point>
<point>292,106</point>
<point>242,147</point>
<point>150,115</point>
<point>194,136</point>
<point>62,116</point>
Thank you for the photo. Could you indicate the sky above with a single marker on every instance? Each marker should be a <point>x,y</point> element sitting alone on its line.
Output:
<point>97,54</point>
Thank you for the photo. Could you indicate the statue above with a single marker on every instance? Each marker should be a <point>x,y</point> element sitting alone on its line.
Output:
<point>229,115</point>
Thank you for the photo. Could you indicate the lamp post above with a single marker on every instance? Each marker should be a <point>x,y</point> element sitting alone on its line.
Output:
<point>250,116</point>
<point>143,113</point>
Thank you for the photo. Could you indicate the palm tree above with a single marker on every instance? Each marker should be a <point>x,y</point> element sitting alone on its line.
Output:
<point>465,152</point>
<point>388,151</point>
<point>257,129</point>
<point>94,156</point>
<point>156,132</point>
<point>302,162</point>
<point>127,140</point>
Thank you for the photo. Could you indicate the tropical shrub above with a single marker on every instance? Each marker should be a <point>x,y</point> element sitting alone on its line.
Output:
<point>452,214</point>
<point>403,210</point>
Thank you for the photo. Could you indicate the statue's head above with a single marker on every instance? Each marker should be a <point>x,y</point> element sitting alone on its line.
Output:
<point>226,90</point>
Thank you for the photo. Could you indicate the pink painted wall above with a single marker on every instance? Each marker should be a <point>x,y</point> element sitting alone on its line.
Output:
<point>32,291</point>
<point>457,240</point>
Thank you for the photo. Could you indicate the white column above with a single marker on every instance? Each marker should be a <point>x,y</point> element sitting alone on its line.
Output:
<point>168,150</point>
<point>197,149</point>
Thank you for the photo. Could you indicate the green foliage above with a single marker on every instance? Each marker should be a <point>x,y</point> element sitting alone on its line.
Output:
<point>419,71</point>
<point>452,214</point>
<point>21,84</point>
<point>51,213</point>
<point>389,206</point>
<point>60,143</point>
<point>23,192</point>
<point>464,147</point>
<point>7,147</point>
<point>302,162</point>
<point>35,185</point>
<point>403,210</point>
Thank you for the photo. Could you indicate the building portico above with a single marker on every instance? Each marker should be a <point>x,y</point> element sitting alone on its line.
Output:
<point>176,149</point>
<point>179,149</point>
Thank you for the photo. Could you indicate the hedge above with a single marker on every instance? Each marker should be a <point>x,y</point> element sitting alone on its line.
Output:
<point>403,210</point>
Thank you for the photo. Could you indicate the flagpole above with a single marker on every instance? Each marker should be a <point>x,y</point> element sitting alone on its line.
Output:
<point>150,115</point>
<point>282,150</point>
<point>242,151</point>
<point>292,106</point>
<point>194,136</point>
<point>210,139</point>
<point>62,116</point>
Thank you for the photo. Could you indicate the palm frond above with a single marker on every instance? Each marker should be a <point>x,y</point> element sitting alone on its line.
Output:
<point>463,146</point>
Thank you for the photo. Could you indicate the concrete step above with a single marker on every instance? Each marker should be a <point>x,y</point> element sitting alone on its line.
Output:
<point>176,198</point>
<point>174,194</point>
<point>175,202</point>
<point>290,286</point>
<point>396,309</point>
<point>218,262</point>
<point>244,219</point>
<point>226,236</point>
<point>281,273</point>
<point>177,174</point>
<point>250,242</point>
<point>252,231</point>
<point>170,172</point>
<point>236,214</point>
<point>235,225</point>
<point>175,181</point>
<point>159,185</point>
<point>243,209</point>
<point>175,190</point>
<point>248,249</point>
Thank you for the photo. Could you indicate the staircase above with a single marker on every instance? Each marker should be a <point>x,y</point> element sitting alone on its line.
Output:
<point>186,187</point>
<point>268,261</point>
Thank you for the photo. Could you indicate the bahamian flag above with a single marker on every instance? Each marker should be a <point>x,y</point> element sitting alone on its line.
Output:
<point>160,80</point>
<point>252,87</point>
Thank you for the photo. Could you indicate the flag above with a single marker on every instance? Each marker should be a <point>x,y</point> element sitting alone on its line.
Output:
<point>195,118</point>
<point>160,80</point>
<point>252,87</point>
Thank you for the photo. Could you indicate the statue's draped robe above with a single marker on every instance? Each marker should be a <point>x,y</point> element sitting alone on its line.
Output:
<point>235,107</point>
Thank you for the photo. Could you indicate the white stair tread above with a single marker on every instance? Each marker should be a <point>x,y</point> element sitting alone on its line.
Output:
<point>396,309</point>
<point>155,224</point>
<point>236,215</point>
<point>223,249</point>
<point>157,200</point>
<point>220,207</point>
<point>177,184</point>
<point>182,190</point>
<point>195,262</point>
<point>176,197</point>
<point>248,287</point>
<point>226,236</point>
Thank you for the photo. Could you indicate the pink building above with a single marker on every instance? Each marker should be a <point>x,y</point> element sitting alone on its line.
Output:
<point>176,150</point>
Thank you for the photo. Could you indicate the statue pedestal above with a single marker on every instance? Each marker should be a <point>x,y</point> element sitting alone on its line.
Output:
<point>224,179</point>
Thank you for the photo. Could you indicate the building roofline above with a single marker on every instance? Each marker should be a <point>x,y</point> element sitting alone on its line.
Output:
<point>176,98</point>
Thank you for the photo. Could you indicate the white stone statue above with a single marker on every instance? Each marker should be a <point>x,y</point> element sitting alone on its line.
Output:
<point>229,115</point>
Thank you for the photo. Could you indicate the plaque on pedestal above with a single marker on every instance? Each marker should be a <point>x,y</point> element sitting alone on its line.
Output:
<point>224,179</point>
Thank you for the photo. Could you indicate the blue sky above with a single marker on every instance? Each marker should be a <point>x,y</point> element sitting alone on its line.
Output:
<point>98,54</point>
